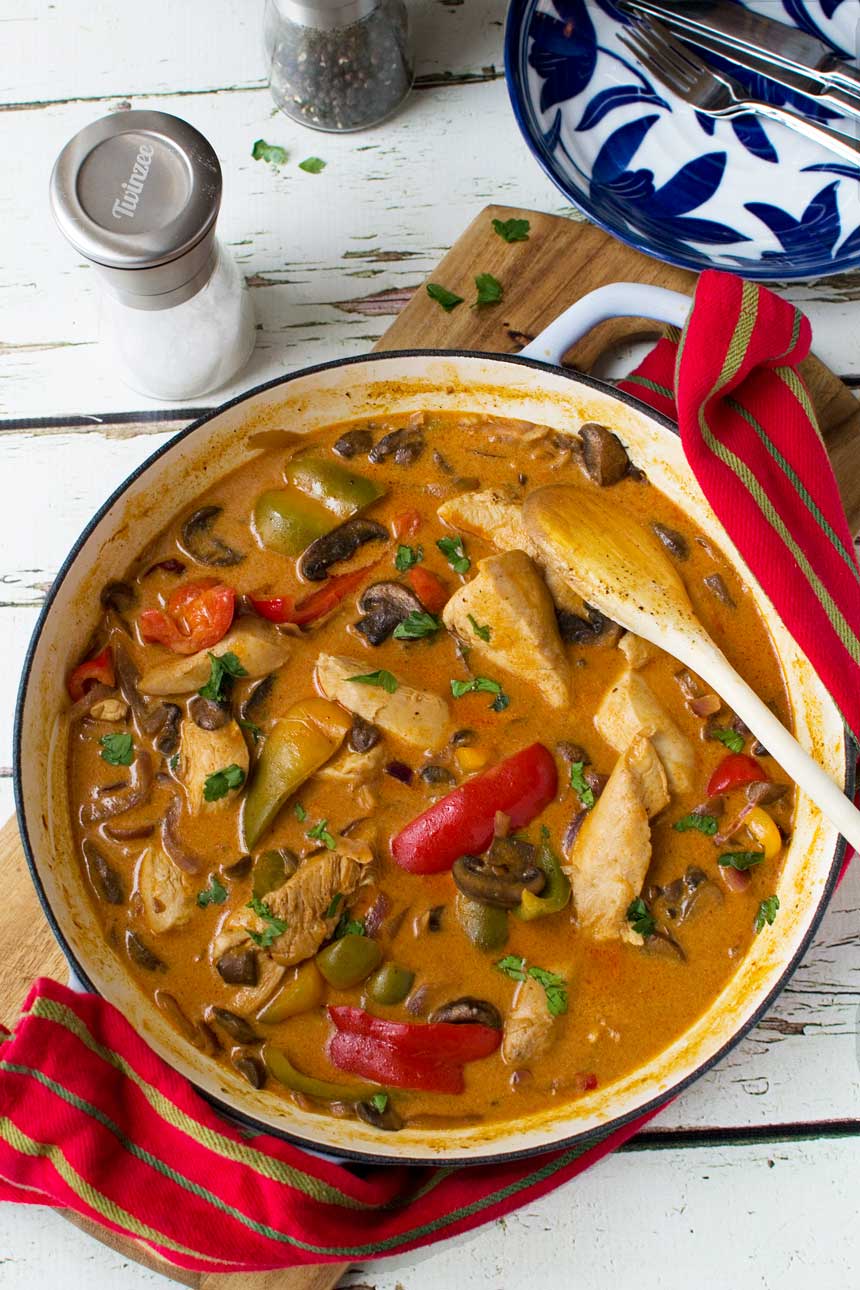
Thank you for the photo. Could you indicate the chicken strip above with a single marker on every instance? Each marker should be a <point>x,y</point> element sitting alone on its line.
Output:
<point>202,753</point>
<point>164,890</point>
<point>529,1024</point>
<point>630,706</point>
<point>419,717</point>
<point>259,647</point>
<point>612,851</point>
<point>509,598</point>
<point>305,899</point>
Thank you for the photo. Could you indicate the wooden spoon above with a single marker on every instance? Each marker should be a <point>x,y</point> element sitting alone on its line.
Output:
<point>621,568</point>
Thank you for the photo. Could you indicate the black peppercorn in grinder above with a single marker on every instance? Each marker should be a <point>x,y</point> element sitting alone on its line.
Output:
<point>338,64</point>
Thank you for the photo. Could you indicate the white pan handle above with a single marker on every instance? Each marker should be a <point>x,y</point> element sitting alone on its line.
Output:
<point>617,300</point>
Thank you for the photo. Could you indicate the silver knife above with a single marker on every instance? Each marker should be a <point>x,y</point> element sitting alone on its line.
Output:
<point>739,30</point>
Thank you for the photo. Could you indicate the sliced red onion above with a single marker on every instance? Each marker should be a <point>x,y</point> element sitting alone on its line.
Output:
<point>400,771</point>
<point>136,793</point>
<point>174,848</point>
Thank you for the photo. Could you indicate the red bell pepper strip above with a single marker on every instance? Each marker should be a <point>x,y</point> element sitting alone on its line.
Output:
<point>371,1059</point>
<point>734,771</point>
<point>283,609</point>
<point>461,822</point>
<point>440,1041</point>
<point>97,670</point>
<point>198,615</point>
<point>405,524</point>
<point>429,589</point>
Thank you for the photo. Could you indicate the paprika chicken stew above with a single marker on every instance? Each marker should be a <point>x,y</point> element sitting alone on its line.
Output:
<point>378,810</point>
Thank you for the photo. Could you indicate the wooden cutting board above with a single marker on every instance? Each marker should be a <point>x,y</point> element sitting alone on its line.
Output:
<point>561,261</point>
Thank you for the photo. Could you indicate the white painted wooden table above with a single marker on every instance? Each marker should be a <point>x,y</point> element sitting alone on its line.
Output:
<point>751,1178</point>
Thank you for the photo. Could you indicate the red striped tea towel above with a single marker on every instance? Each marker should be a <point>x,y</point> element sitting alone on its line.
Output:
<point>92,1120</point>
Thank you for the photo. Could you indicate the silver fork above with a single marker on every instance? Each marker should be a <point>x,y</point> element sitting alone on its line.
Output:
<point>715,93</point>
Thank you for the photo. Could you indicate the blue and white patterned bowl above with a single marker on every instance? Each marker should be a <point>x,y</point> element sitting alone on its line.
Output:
<point>749,196</point>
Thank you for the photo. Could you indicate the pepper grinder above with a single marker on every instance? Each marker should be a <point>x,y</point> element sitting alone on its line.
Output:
<point>137,193</point>
<point>337,64</point>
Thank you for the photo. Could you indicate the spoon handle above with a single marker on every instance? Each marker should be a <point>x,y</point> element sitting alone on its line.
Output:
<point>713,666</point>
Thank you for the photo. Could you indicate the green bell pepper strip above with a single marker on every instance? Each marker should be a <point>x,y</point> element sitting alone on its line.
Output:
<point>288,522</point>
<point>339,490</point>
<point>271,870</point>
<point>349,961</point>
<point>282,1069</point>
<point>555,894</point>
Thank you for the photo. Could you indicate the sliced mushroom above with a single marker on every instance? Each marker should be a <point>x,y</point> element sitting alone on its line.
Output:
<point>603,455</point>
<point>433,774</point>
<point>151,718</point>
<point>232,1024</point>
<point>674,542</point>
<point>385,605</point>
<point>203,545</point>
<point>500,877</point>
<point>103,876</point>
<point>118,595</point>
<point>207,714</point>
<point>340,544</point>
<point>250,1068</point>
<point>363,736</point>
<point>715,584</point>
<point>405,446</point>
<point>195,1032</point>
<point>576,630</point>
<point>468,1011</point>
<point>117,801</point>
<point>256,701</point>
<point>167,740</point>
<point>355,443</point>
<point>662,945</point>
<point>141,954</point>
<point>172,844</point>
<point>238,967</point>
<point>387,1119</point>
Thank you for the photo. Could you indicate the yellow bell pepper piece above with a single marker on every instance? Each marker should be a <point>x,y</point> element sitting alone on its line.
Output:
<point>298,744</point>
<point>764,832</point>
<point>470,759</point>
<point>304,990</point>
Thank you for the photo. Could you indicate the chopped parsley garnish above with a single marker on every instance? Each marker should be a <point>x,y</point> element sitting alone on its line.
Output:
<point>455,553</point>
<point>740,859</point>
<point>379,1102</point>
<point>555,986</point>
<point>489,289</point>
<point>220,782</point>
<point>386,681</point>
<point>253,729</point>
<point>275,926</point>
<point>336,902</point>
<point>766,913</point>
<point>640,918</point>
<point>349,926</point>
<point>271,152</point>
<point>222,669</point>
<point>447,299</point>
<point>512,230</point>
<point>417,625</point>
<point>481,630</point>
<point>174,761</point>
<point>215,893</point>
<point>732,739</point>
<point>407,556</point>
<point>299,812</point>
<point>320,833</point>
<point>482,685</point>
<point>313,165</point>
<point>580,784</point>
<point>703,823</point>
<point>117,749</point>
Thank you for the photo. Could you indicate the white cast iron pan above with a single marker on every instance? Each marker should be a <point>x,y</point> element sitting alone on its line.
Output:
<point>530,386</point>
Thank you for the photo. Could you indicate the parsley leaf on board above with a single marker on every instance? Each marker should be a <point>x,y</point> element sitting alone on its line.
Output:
<point>703,823</point>
<point>253,729</point>
<point>481,630</point>
<point>489,289</point>
<point>407,556</point>
<point>455,553</point>
<point>732,739</point>
<point>386,681</point>
<point>220,782</point>
<point>222,669</point>
<point>215,893</point>
<point>275,926</point>
<point>580,784</point>
<point>320,833</point>
<point>766,913</point>
<point>299,812</point>
<point>379,1102</point>
<point>512,230</point>
<point>117,749</point>
<point>313,165</point>
<point>271,152</point>
<point>640,918</point>
<point>740,859</point>
<point>447,299</point>
<point>416,625</point>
